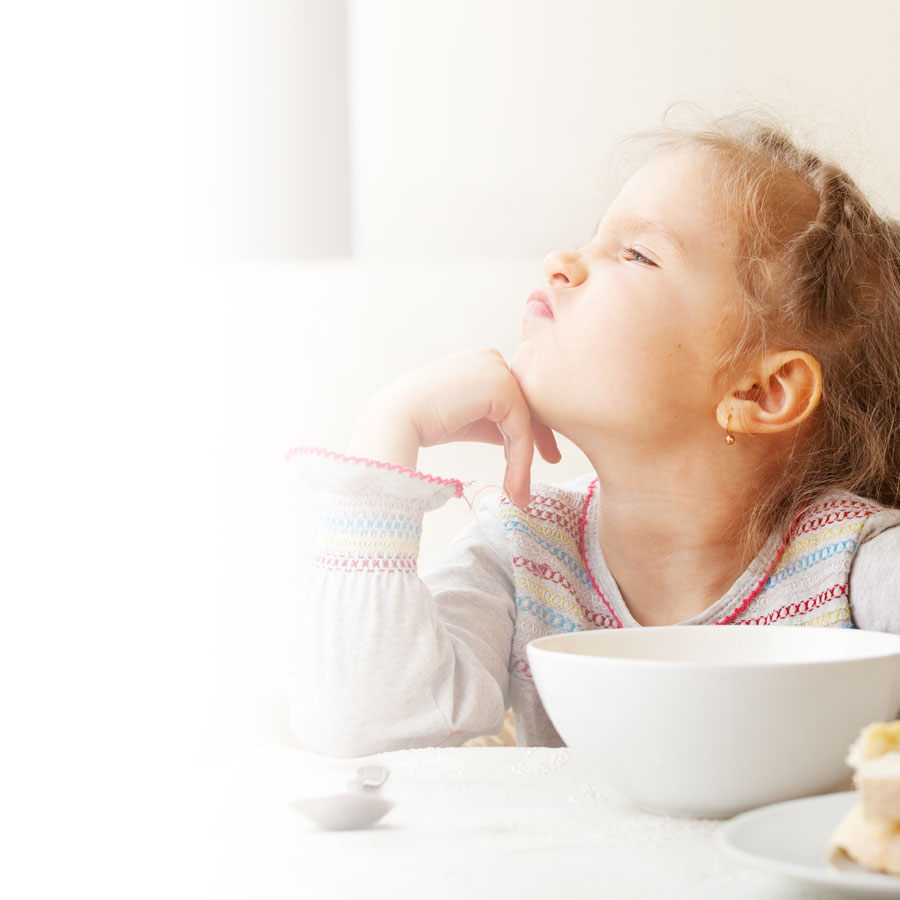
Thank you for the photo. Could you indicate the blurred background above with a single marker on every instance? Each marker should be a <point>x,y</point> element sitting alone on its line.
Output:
<point>226,224</point>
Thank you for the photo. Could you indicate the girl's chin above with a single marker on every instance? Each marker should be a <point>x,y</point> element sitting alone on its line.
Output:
<point>533,387</point>
<point>521,363</point>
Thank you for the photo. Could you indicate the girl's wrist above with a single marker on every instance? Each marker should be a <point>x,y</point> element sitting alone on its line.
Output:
<point>384,434</point>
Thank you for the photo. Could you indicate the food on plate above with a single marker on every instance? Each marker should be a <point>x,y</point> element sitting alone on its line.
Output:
<point>874,741</point>
<point>870,833</point>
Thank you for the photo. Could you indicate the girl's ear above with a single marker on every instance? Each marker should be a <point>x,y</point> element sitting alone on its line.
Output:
<point>785,388</point>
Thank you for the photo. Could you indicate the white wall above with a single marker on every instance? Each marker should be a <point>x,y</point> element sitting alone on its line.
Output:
<point>269,142</point>
<point>480,127</point>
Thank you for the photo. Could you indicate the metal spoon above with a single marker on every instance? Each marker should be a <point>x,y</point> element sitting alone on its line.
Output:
<point>360,807</point>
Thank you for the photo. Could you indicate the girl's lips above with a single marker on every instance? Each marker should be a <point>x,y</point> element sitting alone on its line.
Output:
<point>539,304</point>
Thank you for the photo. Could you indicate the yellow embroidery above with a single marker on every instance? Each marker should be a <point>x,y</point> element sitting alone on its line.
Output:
<point>795,548</point>
<point>550,532</point>
<point>548,597</point>
<point>340,545</point>
<point>832,617</point>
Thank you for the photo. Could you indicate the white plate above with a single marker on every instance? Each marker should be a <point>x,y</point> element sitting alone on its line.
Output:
<point>794,839</point>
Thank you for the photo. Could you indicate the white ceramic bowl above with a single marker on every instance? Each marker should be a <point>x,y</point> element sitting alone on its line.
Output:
<point>713,720</point>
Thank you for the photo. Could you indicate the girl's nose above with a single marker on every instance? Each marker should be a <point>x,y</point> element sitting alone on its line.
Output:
<point>565,268</point>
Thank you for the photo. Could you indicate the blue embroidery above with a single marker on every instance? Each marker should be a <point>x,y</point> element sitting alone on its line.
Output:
<point>808,561</point>
<point>553,619</point>
<point>378,524</point>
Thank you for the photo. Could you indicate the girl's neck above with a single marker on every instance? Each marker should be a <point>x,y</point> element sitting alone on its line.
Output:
<point>672,540</point>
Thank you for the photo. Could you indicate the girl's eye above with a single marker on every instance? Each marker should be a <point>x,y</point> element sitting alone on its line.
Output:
<point>637,256</point>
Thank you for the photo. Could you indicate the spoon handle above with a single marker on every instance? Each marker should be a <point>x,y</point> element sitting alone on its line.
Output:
<point>368,778</point>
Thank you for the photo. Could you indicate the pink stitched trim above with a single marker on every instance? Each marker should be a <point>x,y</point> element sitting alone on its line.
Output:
<point>565,521</point>
<point>521,666</point>
<point>318,451</point>
<point>444,741</point>
<point>598,619</point>
<point>481,490</point>
<point>584,515</point>
<point>545,572</point>
<point>364,564</point>
<point>804,606</point>
<point>769,571</point>
<point>832,518</point>
<point>564,515</point>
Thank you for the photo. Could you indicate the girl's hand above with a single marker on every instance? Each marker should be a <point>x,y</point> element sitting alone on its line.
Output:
<point>470,396</point>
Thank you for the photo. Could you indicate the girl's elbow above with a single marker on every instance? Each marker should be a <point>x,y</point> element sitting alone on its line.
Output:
<point>328,737</point>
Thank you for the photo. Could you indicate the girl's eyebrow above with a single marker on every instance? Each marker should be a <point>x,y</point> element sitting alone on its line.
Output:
<point>639,225</point>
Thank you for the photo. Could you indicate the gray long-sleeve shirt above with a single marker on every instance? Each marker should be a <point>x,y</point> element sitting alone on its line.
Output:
<point>385,659</point>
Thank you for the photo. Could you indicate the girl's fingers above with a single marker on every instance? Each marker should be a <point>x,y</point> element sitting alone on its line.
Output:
<point>545,441</point>
<point>516,427</point>
<point>483,431</point>
<point>486,405</point>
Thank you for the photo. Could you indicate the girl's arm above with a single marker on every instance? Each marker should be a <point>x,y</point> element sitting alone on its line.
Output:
<point>875,580</point>
<point>383,658</point>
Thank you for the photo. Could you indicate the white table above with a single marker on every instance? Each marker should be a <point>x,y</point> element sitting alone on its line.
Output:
<point>500,822</point>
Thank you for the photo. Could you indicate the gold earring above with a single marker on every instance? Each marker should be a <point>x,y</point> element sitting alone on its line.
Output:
<point>729,437</point>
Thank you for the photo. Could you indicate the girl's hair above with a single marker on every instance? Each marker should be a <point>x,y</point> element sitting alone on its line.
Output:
<point>819,270</point>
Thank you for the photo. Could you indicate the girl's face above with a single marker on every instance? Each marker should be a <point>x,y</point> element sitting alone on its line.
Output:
<point>641,314</point>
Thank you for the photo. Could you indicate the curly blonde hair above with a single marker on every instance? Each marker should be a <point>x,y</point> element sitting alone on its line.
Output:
<point>819,270</point>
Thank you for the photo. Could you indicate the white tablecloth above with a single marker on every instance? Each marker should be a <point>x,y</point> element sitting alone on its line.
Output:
<point>468,823</point>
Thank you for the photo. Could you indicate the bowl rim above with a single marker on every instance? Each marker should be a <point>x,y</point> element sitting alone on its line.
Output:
<point>537,645</point>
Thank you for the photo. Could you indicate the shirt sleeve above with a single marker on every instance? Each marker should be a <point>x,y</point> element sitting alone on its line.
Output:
<point>875,582</point>
<point>381,658</point>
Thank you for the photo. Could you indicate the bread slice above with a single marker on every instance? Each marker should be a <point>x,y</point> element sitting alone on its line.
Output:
<point>870,833</point>
<point>871,843</point>
<point>874,740</point>
<point>878,781</point>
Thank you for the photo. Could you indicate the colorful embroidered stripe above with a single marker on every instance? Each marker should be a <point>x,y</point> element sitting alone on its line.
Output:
<point>363,564</point>
<point>800,607</point>
<point>807,562</point>
<point>566,559</point>
<point>554,619</point>
<point>796,547</point>
<point>832,617</point>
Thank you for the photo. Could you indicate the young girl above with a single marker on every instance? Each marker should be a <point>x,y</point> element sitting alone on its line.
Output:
<point>726,352</point>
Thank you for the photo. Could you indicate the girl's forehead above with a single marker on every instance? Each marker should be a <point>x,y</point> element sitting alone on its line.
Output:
<point>675,176</point>
<point>676,190</point>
